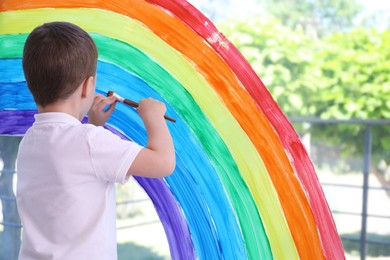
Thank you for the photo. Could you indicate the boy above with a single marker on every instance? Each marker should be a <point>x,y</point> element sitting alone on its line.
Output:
<point>67,170</point>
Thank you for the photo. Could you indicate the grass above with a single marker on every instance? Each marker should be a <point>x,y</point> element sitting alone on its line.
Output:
<point>373,250</point>
<point>133,251</point>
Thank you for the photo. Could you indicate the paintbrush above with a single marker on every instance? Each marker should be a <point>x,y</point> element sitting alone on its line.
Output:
<point>131,103</point>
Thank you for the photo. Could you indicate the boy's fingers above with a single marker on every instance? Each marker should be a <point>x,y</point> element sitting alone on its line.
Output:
<point>111,108</point>
<point>99,96</point>
<point>97,99</point>
<point>108,100</point>
<point>112,99</point>
<point>101,103</point>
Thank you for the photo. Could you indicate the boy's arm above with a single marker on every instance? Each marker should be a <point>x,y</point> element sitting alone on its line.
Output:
<point>158,158</point>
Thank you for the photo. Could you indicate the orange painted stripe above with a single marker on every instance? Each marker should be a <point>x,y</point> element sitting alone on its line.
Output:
<point>292,197</point>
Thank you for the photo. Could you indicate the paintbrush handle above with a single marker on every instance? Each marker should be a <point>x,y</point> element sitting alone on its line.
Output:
<point>134,104</point>
<point>130,103</point>
<point>170,119</point>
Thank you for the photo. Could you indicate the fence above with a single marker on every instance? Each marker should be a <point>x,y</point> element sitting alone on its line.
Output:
<point>367,125</point>
<point>10,224</point>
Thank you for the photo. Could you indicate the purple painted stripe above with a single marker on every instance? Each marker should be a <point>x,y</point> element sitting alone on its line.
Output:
<point>16,122</point>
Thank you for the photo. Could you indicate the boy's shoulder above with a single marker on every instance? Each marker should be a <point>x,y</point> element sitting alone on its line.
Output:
<point>54,123</point>
<point>63,125</point>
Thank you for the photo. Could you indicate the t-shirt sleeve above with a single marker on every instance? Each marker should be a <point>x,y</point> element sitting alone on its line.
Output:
<point>111,156</point>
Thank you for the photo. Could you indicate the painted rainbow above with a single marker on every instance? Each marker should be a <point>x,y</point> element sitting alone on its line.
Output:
<point>244,186</point>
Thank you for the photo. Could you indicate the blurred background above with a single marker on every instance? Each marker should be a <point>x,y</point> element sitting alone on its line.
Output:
<point>326,63</point>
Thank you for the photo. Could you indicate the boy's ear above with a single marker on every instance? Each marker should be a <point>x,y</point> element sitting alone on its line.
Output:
<point>87,84</point>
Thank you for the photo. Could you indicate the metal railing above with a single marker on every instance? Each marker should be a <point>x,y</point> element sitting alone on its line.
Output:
<point>363,240</point>
<point>366,170</point>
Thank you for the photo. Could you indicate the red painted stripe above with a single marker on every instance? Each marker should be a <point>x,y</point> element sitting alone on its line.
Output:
<point>204,27</point>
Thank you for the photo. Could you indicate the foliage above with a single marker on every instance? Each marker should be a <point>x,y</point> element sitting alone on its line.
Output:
<point>341,76</point>
<point>356,66</point>
<point>318,16</point>
<point>279,56</point>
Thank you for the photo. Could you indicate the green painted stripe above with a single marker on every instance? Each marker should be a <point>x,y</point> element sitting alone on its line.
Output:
<point>138,63</point>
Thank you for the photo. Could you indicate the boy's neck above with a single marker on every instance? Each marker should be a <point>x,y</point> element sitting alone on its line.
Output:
<point>63,106</point>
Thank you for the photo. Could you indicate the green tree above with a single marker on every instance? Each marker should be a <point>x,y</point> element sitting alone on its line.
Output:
<point>316,17</point>
<point>355,68</point>
<point>282,57</point>
<point>342,76</point>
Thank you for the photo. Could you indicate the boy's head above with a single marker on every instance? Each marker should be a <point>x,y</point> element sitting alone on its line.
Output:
<point>57,58</point>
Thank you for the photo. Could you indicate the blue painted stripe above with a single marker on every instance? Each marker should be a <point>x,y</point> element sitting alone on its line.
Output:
<point>195,183</point>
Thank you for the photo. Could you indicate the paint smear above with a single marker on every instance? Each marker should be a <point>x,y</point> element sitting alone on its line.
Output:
<point>243,150</point>
<point>204,28</point>
<point>248,196</point>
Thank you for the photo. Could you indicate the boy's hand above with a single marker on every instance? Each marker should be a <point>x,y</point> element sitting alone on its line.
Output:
<point>150,109</point>
<point>97,115</point>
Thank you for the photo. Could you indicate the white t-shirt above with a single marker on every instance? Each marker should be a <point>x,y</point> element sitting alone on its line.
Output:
<point>65,188</point>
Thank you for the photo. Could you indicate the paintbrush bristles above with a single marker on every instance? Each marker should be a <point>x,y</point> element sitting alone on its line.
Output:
<point>112,93</point>
<point>119,98</point>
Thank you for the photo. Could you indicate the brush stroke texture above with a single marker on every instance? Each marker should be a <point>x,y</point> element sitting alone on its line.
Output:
<point>245,152</point>
<point>204,28</point>
<point>192,197</point>
<point>242,201</point>
<point>16,122</point>
<point>294,223</point>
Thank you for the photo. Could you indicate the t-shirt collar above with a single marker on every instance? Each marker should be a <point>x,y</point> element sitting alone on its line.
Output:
<point>55,117</point>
